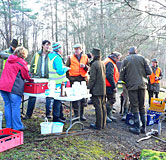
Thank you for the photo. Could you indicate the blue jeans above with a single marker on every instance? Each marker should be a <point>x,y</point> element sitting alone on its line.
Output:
<point>31,106</point>
<point>12,110</point>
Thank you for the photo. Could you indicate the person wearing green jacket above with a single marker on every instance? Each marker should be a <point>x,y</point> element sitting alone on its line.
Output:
<point>39,69</point>
<point>6,53</point>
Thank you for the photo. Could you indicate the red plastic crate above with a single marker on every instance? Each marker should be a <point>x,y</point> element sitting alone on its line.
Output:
<point>35,87</point>
<point>12,141</point>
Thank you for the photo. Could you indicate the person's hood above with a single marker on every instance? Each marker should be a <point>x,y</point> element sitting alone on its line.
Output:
<point>53,54</point>
<point>14,59</point>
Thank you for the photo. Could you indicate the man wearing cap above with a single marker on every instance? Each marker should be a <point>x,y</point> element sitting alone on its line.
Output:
<point>78,62</point>
<point>39,69</point>
<point>6,53</point>
<point>57,73</point>
<point>112,77</point>
<point>134,72</point>
<point>154,80</point>
<point>97,88</point>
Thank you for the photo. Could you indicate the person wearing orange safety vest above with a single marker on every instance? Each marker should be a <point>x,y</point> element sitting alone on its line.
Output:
<point>154,80</point>
<point>78,62</point>
<point>112,77</point>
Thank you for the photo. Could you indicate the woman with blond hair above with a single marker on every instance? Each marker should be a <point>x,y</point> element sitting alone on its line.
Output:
<point>12,87</point>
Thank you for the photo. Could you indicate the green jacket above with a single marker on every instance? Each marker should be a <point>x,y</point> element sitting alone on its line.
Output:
<point>96,82</point>
<point>134,72</point>
<point>36,65</point>
<point>4,55</point>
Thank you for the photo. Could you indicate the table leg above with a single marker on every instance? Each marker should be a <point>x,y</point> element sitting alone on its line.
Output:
<point>72,119</point>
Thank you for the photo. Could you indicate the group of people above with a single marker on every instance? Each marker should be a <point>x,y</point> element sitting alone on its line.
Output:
<point>102,82</point>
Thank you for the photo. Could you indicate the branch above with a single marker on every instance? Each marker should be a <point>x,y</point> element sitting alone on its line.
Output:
<point>151,14</point>
<point>3,35</point>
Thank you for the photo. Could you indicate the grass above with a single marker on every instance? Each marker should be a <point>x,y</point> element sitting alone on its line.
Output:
<point>67,148</point>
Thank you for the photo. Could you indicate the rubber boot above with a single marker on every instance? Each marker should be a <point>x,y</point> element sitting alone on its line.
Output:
<point>136,128</point>
<point>125,114</point>
<point>75,112</point>
<point>111,114</point>
<point>82,117</point>
<point>143,120</point>
<point>108,120</point>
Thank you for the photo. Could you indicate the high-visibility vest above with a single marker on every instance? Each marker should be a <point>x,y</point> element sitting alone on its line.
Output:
<point>53,75</point>
<point>4,61</point>
<point>36,63</point>
<point>75,66</point>
<point>116,73</point>
<point>153,75</point>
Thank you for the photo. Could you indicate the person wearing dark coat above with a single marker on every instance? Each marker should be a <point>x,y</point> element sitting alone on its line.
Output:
<point>97,88</point>
<point>134,72</point>
<point>112,77</point>
<point>154,80</point>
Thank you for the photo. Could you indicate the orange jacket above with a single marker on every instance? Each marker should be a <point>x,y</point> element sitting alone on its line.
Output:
<point>75,66</point>
<point>116,73</point>
<point>153,75</point>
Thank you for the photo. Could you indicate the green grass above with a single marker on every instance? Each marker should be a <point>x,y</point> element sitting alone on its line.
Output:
<point>152,155</point>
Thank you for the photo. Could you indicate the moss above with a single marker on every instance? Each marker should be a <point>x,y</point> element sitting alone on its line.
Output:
<point>152,155</point>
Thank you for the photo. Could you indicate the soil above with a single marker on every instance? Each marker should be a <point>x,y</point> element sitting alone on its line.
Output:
<point>116,137</point>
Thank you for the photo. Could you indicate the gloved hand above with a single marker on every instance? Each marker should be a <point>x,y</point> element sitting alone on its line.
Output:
<point>31,80</point>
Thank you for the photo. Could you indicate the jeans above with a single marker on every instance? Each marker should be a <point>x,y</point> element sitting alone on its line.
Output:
<point>12,110</point>
<point>31,106</point>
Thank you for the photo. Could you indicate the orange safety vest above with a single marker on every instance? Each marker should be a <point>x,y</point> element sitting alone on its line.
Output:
<point>75,66</point>
<point>116,73</point>
<point>153,75</point>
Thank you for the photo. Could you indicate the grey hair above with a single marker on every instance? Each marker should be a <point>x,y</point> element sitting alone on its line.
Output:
<point>21,52</point>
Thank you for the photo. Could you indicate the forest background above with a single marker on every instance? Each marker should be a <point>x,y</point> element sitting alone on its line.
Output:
<point>107,24</point>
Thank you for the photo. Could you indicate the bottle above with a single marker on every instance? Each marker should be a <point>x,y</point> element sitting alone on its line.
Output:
<point>62,89</point>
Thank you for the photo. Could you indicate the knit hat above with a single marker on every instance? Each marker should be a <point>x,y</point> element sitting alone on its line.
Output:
<point>132,49</point>
<point>154,60</point>
<point>96,52</point>
<point>77,46</point>
<point>14,43</point>
<point>56,46</point>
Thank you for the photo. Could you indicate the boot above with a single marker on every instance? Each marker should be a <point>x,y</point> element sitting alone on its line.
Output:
<point>75,112</point>
<point>136,128</point>
<point>82,117</point>
<point>111,114</point>
<point>125,114</point>
<point>108,120</point>
<point>143,120</point>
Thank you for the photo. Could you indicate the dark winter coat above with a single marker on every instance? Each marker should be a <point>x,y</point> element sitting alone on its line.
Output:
<point>155,87</point>
<point>134,71</point>
<point>96,82</point>
<point>13,75</point>
<point>110,76</point>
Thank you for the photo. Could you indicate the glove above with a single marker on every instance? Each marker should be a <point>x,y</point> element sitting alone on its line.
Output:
<point>31,80</point>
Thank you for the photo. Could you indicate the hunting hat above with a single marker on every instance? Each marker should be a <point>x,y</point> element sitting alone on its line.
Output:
<point>116,54</point>
<point>154,60</point>
<point>132,49</point>
<point>56,46</point>
<point>77,46</point>
<point>96,52</point>
<point>14,43</point>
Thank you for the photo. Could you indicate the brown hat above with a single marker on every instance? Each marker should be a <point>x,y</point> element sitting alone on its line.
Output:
<point>96,52</point>
<point>14,43</point>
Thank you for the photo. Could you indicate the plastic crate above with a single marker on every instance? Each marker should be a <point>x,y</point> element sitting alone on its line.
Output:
<point>130,119</point>
<point>35,87</point>
<point>12,141</point>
